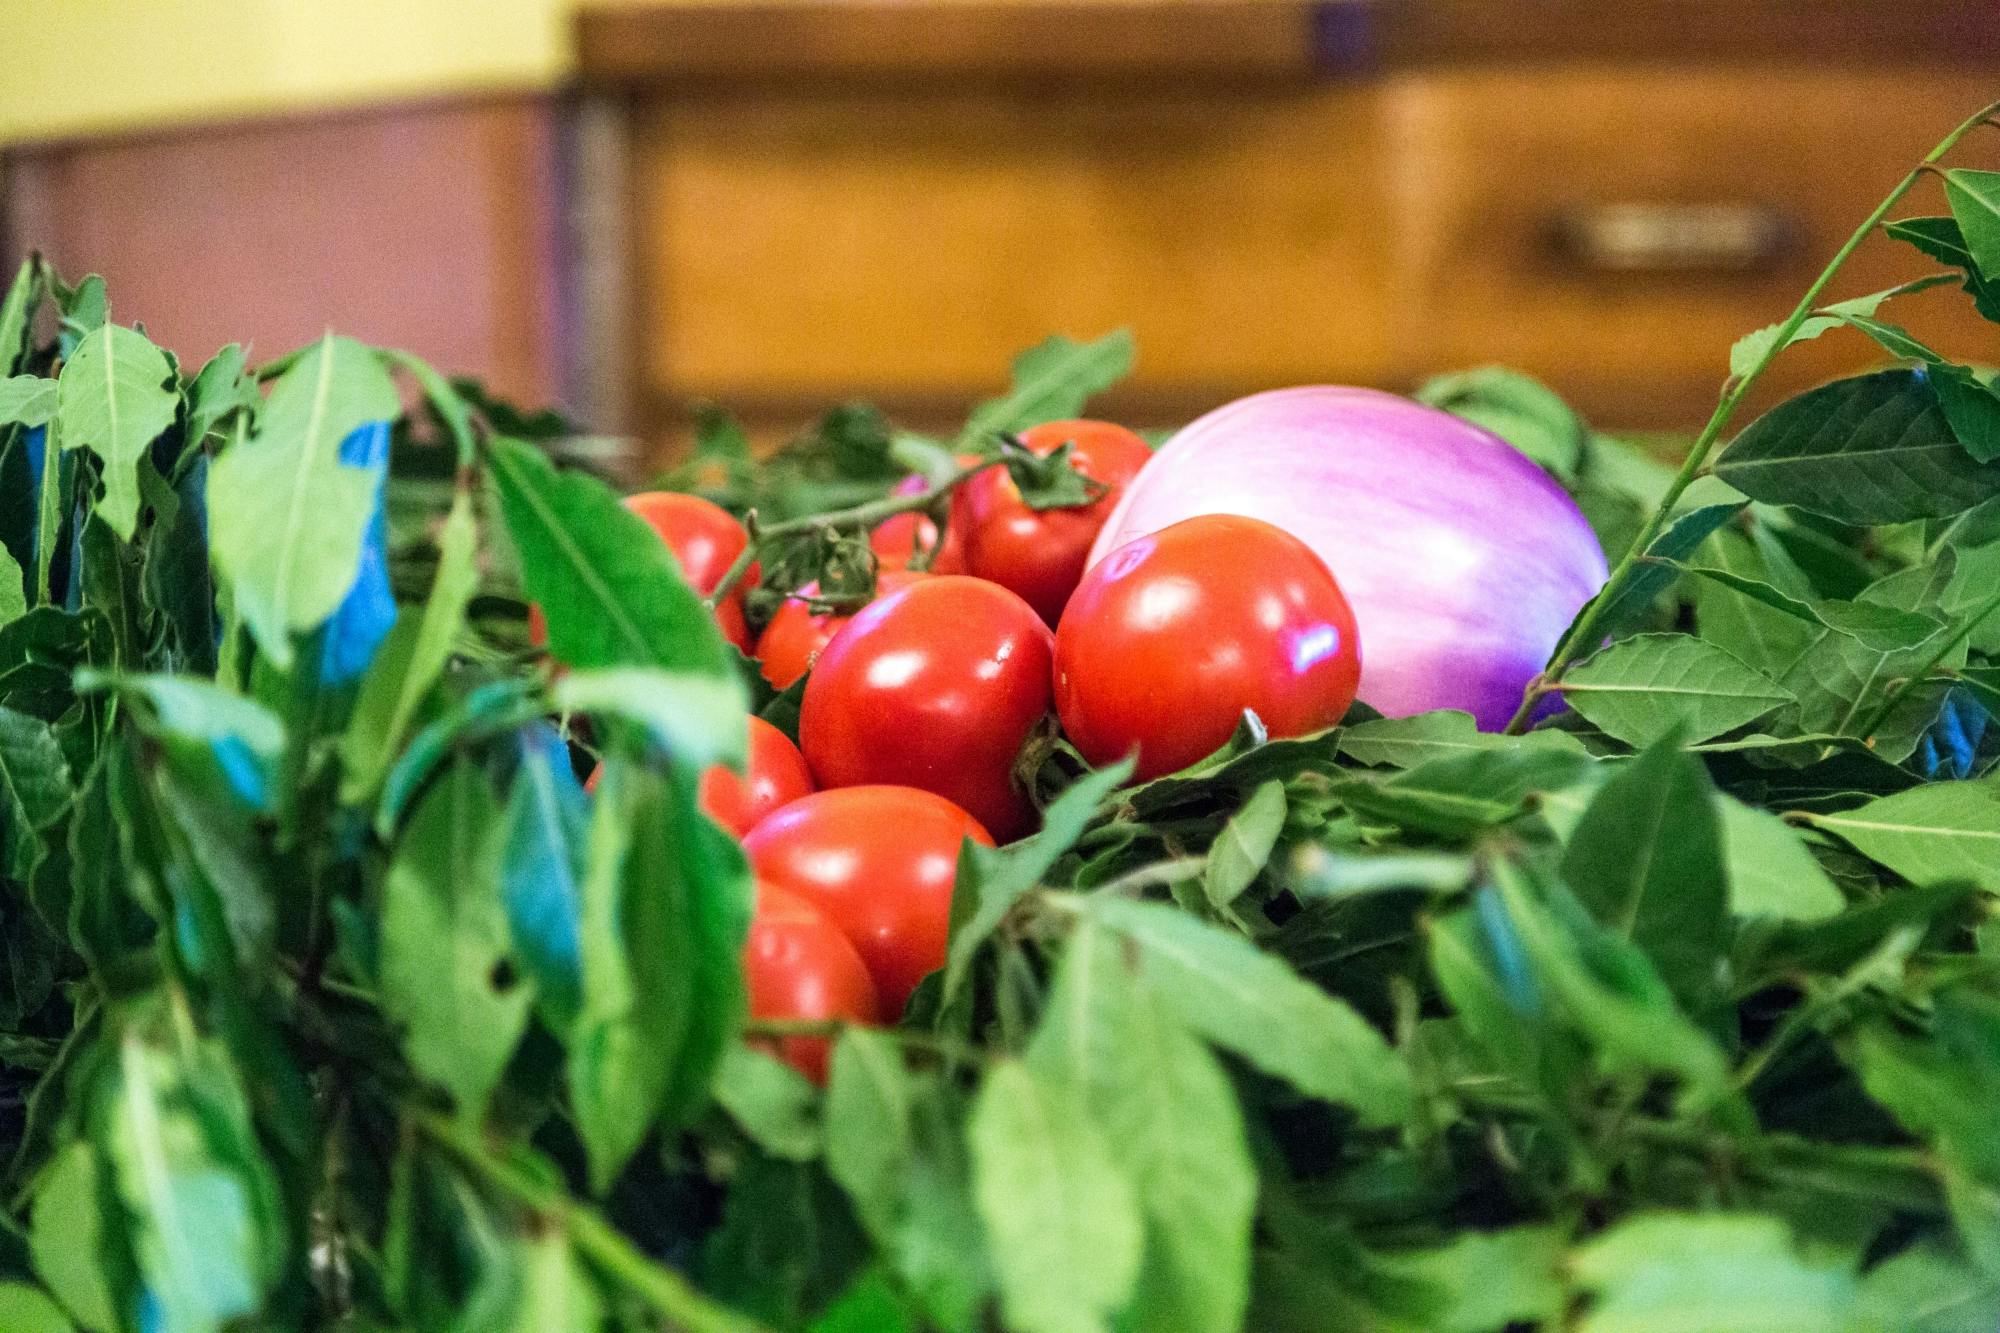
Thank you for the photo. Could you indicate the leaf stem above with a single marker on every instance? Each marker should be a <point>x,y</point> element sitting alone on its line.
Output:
<point>861,515</point>
<point>1735,390</point>
<point>1902,689</point>
<point>663,1290</point>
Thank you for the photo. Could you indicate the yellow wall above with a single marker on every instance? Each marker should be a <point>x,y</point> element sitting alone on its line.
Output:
<point>78,66</point>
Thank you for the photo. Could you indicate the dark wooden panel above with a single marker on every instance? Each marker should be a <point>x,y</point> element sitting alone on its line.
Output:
<point>1058,40</point>
<point>873,39</point>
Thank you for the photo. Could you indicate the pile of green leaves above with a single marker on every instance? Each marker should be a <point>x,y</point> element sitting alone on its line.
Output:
<point>328,998</point>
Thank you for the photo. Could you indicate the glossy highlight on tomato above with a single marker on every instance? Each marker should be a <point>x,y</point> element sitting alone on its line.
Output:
<point>795,634</point>
<point>880,862</point>
<point>776,776</point>
<point>705,540</point>
<point>935,686</point>
<point>1041,553</point>
<point>1169,638</point>
<point>798,965</point>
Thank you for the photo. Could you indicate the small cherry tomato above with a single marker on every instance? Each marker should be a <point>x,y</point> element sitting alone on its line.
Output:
<point>705,541</point>
<point>1170,637</point>
<point>798,965</point>
<point>896,540</point>
<point>792,639</point>
<point>777,776</point>
<point>880,862</point>
<point>935,686</point>
<point>1040,553</point>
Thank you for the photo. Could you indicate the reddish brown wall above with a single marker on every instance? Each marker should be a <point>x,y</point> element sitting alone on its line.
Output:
<point>433,227</point>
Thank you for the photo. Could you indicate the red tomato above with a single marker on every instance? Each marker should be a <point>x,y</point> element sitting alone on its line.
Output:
<point>880,862</point>
<point>935,686</point>
<point>897,540</point>
<point>705,541</point>
<point>798,965</point>
<point>777,776</point>
<point>1169,638</point>
<point>791,641</point>
<point>1040,554</point>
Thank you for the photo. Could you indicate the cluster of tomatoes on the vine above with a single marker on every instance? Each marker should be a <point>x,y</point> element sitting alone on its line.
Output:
<point>919,703</point>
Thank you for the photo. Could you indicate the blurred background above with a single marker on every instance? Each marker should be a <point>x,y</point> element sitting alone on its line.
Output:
<point>632,206</point>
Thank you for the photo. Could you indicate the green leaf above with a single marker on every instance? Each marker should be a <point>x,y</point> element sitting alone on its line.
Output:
<point>23,1309</point>
<point>1766,639</point>
<point>1869,450</point>
<point>411,659</point>
<point>1646,859</point>
<point>1243,999</point>
<point>226,742</point>
<point>115,395</point>
<point>17,311</point>
<point>78,1238</point>
<point>224,386</point>
<point>1878,627</point>
<point>1405,742</point>
<point>895,1144</point>
<point>697,718</point>
<point>1052,381</point>
<point>1941,239</point>
<point>29,400</point>
<point>1930,1289</point>
<point>1170,1118</point>
<point>1716,1272</point>
<point>868,1134</point>
<point>449,974</point>
<point>607,584</point>
<point>1750,350</point>
<point>1520,410</point>
<point>774,1104</point>
<point>666,909</point>
<point>990,880</point>
<point>541,837</point>
<point>1930,834</point>
<point>450,405</point>
<point>1772,873</point>
<point>1065,1225</point>
<point>1460,795</point>
<point>34,787</point>
<point>1239,852</point>
<point>1642,689</point>
<point>1975,205</point>
<point>286,516</point>
<point>202,1220</point>
<point>1655,575</point>
<point>556,1289</point>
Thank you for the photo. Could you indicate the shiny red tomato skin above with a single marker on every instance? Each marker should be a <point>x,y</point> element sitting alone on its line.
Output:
<point>1170,637</point>
<point>776,777</point>
<point>705,541</point>
<point>936,686</point>
<point>798,965</point>
<point>1040,554</point>
<point>880,862</point>
<point>794,635</point>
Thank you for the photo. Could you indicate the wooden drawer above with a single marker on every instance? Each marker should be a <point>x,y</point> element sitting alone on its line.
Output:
<point>1609,224</point>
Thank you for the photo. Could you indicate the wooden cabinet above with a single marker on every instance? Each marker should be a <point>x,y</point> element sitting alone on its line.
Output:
<point>842,198</point>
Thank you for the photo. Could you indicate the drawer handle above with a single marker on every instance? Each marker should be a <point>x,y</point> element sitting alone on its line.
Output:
<point>1673,238</point>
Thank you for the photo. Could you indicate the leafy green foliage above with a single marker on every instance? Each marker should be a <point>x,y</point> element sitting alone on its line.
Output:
<point>346,1006</point>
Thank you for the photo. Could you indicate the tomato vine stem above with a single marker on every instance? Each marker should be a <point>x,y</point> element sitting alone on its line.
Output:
<point>1735,390</point>
<point>861,515</point>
